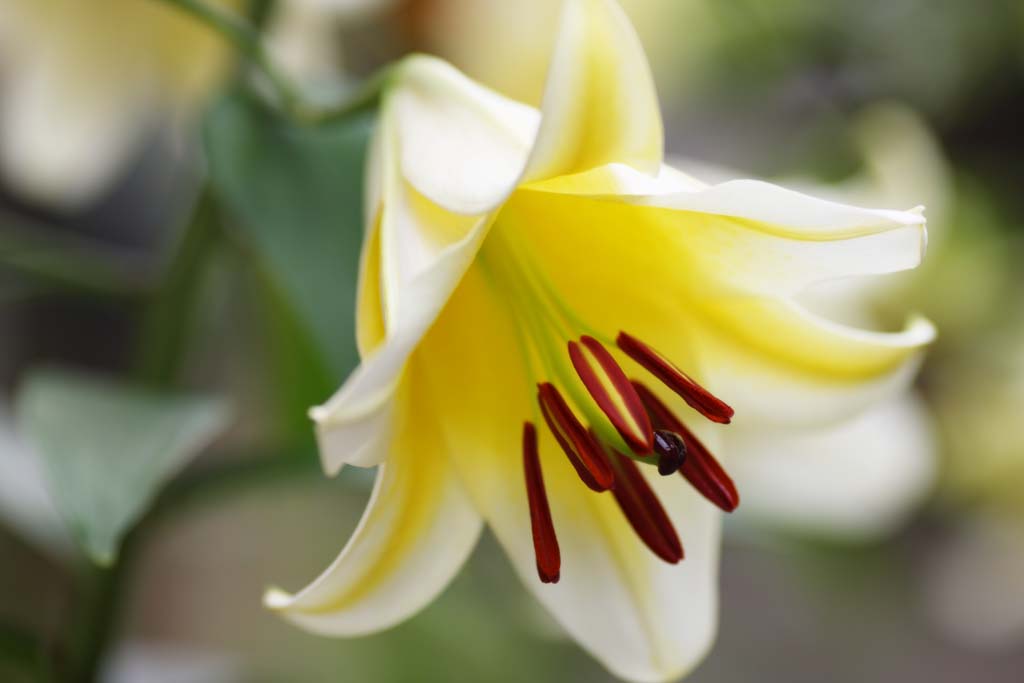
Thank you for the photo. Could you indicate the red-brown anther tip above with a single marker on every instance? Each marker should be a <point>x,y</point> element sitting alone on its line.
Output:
<point>696,396</point>
<point>700,468</point>
<point>633,424</point>
<point>644,511</point>
<point>545,542</point>
<point>575,440</point>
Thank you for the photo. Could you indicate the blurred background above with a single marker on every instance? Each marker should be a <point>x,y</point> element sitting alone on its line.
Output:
<point>170,250</point>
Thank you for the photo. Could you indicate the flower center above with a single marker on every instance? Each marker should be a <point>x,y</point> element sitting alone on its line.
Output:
<point>623,422</point>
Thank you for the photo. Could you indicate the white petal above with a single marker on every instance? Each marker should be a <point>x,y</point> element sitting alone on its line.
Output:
<point>428,182</point>
<point>793,213</point>
<point>352,427</point>
<point>770,240</point>
<point>642,618</point>
<point>766,356</point>
<point>777,364</point>
<point>461,145</point>
<point>860,478</point>
<point>417,531</point>
<point>599,103</point>
<point>619,179</point>
<point>748,235</point>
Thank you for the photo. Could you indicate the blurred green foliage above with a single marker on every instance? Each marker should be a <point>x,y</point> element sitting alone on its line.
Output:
<point>292,197</point>
<point>108,447</point>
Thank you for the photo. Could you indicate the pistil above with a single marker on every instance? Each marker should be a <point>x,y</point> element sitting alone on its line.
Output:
<point>671,450</point>
<point>700,468</point>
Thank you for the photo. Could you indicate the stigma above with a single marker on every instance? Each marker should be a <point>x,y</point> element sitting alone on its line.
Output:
<point>643,429</point>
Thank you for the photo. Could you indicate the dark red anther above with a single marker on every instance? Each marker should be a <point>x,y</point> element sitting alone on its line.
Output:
<point>644,511</point>
<point>627,415</point>
<point>671,451</point>
<point>583,451</point>
<point>698,398</point>
<point>700,468</point>
<point>545,543</point>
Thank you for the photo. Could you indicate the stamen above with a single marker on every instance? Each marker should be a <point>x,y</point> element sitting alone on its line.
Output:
<point>671,450</point>
<point>627,415</point>
<point>644,511</point>
<point>700,468</point>
<point>699,398</point>
<point>583,452</point>
<point>545,543</point>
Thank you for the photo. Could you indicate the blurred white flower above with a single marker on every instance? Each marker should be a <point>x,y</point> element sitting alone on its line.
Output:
<point>84,83</point>
<point>856,480</point>
<point>478,35</point>
<point>305,38</point>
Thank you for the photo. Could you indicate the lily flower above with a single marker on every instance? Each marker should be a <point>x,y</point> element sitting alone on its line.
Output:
<point>84,83</point>
<point>554,327</point>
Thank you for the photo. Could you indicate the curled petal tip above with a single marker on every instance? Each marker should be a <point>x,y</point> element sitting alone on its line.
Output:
<point>276,599</point>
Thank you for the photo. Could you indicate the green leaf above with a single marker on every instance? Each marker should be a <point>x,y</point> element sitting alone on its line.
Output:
<point>107,448</point>
<point>295,195</point>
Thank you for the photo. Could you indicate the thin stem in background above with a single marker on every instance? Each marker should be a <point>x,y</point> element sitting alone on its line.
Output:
<point>247,39</point>
<point>95,625</point>
<point>163,345</point>
<point>65,262</point>
<point>25,652</point>
<point>96,628</point>
<point>168,322</point>
<point>170,318</point>
<point>289,98</point>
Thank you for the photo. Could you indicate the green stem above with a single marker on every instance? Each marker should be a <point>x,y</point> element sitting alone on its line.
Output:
<point>247,39</point>
<point>97,621</point>
<point>260,12</point>
<point>97,625</point>
<point>24,651</point>
<point>365,98</point>
<point>162,346</point>
<point>169,320</point>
